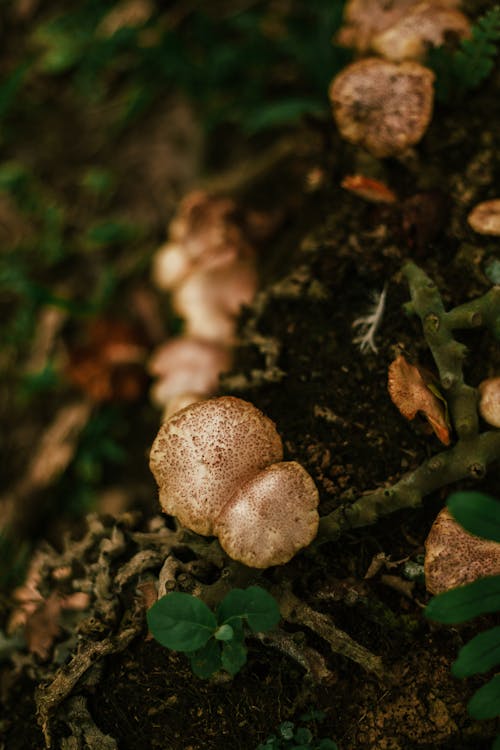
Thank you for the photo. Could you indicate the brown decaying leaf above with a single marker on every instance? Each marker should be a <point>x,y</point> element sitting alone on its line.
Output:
<point>371,190</point>
<point>408,390</point>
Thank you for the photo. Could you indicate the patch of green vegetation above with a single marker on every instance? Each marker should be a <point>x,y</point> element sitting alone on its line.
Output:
<point>212,641</point>
<point>292,737</point>
<point>464,69</point>
<point>479,514</point>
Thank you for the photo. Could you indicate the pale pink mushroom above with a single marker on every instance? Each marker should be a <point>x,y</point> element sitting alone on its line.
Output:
<point>270,517</point>
<point>185,365</point>
<point>381,105</point>
<point>489,400</point>
<point>210,301</point>
<point>365,20</point>
<point>205,452</point>
<point>453,557</point>
<point>426,24</point>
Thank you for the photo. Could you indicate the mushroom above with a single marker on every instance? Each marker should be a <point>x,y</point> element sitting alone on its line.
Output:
<point>485,217</point>
<point>424,25</point>
<point>365,20</point>
<point>381,105</point>
<point>453,557</point>
<point>489,400</point>
<point>205,452</point>
<point>211,300</point>
<point>187,365</point>
<point>270,517</point>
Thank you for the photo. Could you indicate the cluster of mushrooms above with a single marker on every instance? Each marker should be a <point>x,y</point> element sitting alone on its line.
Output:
<point>218,462</point>
<point>208,267</point>
<point>384,100</point>
<point>220,470</point>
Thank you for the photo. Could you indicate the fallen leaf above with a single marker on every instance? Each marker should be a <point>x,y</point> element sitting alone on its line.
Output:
<point>369,189</point>
<point>410,392</point>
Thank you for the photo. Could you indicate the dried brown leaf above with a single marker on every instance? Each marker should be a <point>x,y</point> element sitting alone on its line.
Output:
<point>408,390</point>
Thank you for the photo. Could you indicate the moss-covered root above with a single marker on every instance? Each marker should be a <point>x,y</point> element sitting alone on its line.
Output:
<point>473,452</point>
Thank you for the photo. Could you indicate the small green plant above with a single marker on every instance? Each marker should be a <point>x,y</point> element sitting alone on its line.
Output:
<point>468,66</point>
<point>290,737</point>
<point>212,641</point>
<point>479,514</point>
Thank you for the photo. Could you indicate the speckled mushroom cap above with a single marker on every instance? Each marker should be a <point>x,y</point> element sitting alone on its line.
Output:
<point>271,517</point>
<point>489,400</point>
<point>383,106</point>
<point>453,557</point>
<point>205,452</point>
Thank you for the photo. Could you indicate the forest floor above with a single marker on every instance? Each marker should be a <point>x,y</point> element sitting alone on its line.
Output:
<point>106,684</point>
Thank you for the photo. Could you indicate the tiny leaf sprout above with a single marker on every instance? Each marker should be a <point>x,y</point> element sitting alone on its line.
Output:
<point>479,514</point>
<point>212,641</point>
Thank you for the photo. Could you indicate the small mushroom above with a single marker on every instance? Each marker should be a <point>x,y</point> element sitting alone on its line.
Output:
<point>270,517</point>
<point>485,217</point>
<point>453,557</point>
<point>365,18</point>
<point>489,400</point>
<point>424,25</point>
<point>367,21</point>
<point>205,452</point>
<point>210,300</point>
<point>381,105</point>
<point>187,365</point>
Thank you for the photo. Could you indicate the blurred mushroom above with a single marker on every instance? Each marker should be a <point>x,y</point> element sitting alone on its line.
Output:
<point>210,300</point>
<point>381,105</point>
<point>485,217</point>
<point>367,20</point>
<point>205,452</point>
<point>426,24</point>
<point>489,400</point>
<point>270,517</point>
<point>187,365</point>
<point>453,557</point>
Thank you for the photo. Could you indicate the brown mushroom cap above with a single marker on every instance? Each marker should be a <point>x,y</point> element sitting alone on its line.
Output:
<point>187,365</point>
<point>381,105</point>
<point>425,24</point>
<point>270,517</point>
<point>485,217</point>
<point>489,400</point>
<point>453,557</point>
<point>205,452</point>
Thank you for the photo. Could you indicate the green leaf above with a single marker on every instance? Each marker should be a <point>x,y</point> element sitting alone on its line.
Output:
<point>224,633</point>
<point>255,604</point>
<point>496,744</point>
<point>234,656</point>
<point>285,112</point>
<point>485,703</point>
<point>479,655</point>
<point>465,602</point>
<point>303,736</point>
<point>478,513</point>
<point>181,622</point>
<point>206,660</point>
<point>286,730</point>
<point>327,744</point>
